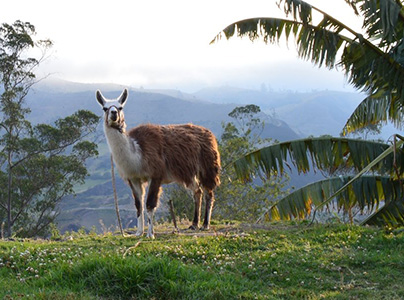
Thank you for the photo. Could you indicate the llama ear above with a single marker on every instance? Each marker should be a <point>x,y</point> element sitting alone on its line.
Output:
<point>123,97</point>
<point>100,98</point>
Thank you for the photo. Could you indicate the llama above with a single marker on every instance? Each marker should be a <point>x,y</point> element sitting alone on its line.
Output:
<point>154,155</point>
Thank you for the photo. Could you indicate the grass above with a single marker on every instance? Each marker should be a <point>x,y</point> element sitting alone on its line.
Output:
<point>282,261</point>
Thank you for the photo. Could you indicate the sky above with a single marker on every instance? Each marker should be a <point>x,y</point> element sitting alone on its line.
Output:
<point>165,44</point>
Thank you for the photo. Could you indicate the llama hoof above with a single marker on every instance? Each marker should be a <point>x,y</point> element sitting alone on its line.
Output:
<point>204,228</point>
<point>150,233</point>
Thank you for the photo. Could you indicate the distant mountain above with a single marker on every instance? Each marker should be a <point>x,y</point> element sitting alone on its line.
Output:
<point>54,85</point>
<point>314,113</point>
<point>49,102</point>
<point>319,113</point>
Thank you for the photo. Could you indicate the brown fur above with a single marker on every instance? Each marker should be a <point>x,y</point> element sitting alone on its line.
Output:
<point>179,153</point>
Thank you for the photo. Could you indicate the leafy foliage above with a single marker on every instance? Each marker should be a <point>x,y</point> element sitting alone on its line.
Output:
<point>38,164</point>
<point>237,199</point>
<point>321,153</point>
<point>375,110</point>
<point>328,154</point>
<point>182,201</point>
<point>367,193</point>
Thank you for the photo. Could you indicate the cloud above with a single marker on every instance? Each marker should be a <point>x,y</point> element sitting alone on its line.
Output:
<point>164,44</point>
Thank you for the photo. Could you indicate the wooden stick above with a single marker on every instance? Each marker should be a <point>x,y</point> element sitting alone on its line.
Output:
<point>115,196</point>
<point>173,215</point>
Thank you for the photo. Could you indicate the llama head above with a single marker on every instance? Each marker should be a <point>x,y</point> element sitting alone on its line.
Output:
<point>113,109</point>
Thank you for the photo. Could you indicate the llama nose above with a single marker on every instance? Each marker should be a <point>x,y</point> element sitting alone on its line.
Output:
<point>114,115</point>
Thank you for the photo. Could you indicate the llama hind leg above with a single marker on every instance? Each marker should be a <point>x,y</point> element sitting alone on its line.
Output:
<point>197,208</point>
<point>151,204</point>
<point>209,199</point>
<point>138,192</point>
<point>196,191</point>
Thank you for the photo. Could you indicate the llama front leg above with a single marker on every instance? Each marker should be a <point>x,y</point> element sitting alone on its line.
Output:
<point>151,204</point>
<point>138,192</point>
<point>209,199</point>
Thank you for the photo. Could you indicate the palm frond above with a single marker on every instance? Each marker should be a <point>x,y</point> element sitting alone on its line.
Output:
<point>370,67</point>
<point>373,110</point>
<point>315,43</point>
<point>380,158</point>
<point>381,18</point>
<point>322,153</point>
<point>367,193</point>
<point>372,64</point>
<point>362,190</point>
<point>392,213</point>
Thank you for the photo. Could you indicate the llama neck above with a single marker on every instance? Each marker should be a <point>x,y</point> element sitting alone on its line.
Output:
<point>120,128</point>
<point>125,151</point>
<point>116,138</point>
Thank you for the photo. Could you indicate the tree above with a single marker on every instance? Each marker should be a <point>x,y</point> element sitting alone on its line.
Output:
<point>238,200</point>
<point>373,62</point>
<point>39,164</point>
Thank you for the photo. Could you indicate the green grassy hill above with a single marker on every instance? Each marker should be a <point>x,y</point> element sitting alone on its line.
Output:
<point>280,261</point>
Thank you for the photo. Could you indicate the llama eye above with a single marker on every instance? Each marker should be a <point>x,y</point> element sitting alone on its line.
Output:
<point>120,108</point>
<point>105,109</point>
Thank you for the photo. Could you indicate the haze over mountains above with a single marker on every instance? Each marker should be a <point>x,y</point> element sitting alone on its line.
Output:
<point>288,115</point>
<point>315,113</point>
<point>144,106</point>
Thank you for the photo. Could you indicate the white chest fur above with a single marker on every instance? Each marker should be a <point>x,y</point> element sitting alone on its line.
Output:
<point>126,153</point>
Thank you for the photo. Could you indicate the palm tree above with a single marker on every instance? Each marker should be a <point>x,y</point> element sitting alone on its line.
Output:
<point>373,62</point>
